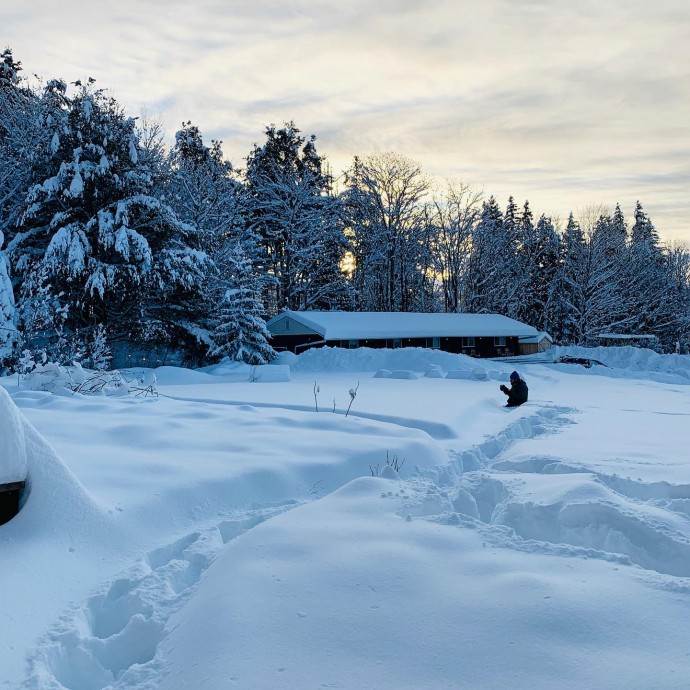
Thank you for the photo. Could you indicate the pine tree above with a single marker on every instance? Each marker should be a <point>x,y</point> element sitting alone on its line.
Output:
<point>98,352</point>
<point>108,251</point>
<point>21,139</point>
<point>488,262</point>
<point>647,278</point>
<point>570,324</point>
<point>9,69</point>
<point>521,300</point>
<point>241,332</point>
<point>511,270</point>
<point>8,328</point>
<point>677,328</point>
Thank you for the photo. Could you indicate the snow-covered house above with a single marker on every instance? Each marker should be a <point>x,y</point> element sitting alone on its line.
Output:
<point>479,335</point>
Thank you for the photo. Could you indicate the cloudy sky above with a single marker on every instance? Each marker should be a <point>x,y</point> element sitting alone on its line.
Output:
<point>567,103</point>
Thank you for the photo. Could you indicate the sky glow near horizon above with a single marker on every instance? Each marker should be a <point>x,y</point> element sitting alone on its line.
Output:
<point>570,105</point>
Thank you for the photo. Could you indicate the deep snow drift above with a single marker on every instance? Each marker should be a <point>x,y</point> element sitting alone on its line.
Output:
<point>225,533</point>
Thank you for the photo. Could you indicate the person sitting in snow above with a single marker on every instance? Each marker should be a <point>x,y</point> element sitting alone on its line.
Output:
<point>517,393</point>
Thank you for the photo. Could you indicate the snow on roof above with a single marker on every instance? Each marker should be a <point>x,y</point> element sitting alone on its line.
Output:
<point>341,325</point>
<point>542,335</point>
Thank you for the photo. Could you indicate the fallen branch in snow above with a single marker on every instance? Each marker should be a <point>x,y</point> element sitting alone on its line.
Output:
<point>314,489</point>
<point>98,382</point>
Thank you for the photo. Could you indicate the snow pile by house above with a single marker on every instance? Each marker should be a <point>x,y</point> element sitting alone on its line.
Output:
<point>621,362</point>
<point>373,359</point>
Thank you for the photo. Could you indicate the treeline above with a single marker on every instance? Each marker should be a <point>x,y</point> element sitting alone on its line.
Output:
<point>116,248</point>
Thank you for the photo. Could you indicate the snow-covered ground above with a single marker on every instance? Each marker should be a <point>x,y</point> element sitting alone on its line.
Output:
<point>226,534</point>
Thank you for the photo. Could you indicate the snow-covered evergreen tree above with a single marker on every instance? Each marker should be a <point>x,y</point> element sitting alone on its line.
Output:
<point>109,251</point>
<point>647,278</point>
<point>98,352</point>
<point>21,138</point>
<point>8,328</point>
<point>569,327</point>
<point>545,284</point>
<point>522,304</point>
<point>677,330</point>
<point>511,270</point>
<point>241,332</point>
<point>491,258</point>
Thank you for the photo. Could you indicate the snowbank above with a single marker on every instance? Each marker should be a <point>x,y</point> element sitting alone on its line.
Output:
<point>626,360</point>
<point>12,445</point>
<point>415,359</point>
<point>621,362</point>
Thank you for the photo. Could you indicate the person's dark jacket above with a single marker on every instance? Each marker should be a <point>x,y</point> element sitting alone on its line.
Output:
<point>517,393</point>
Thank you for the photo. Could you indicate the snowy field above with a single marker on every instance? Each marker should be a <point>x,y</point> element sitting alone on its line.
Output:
<point>226,534</point>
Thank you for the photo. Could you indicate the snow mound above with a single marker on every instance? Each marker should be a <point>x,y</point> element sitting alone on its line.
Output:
<point>176,375</point>
<point>12,445</point>
<point>403,374</point>
<point>434,371</point>
<point>463,374</point>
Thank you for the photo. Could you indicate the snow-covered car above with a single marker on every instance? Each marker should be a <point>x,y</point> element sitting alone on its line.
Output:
<point>13,463</point>
<point>584,361</point>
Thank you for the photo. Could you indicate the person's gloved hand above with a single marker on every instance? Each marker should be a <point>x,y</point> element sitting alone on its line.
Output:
<point>503,388</point>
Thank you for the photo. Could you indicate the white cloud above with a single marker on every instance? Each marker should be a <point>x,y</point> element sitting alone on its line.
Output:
<point>564,103</point>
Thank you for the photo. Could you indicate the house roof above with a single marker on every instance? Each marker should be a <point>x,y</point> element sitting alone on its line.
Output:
<point>342,325</point>
<point>542,335</point>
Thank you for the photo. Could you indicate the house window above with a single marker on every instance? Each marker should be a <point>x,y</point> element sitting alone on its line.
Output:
<point>468,342</point>
<point>500,341</point>
<point>436,343</point>
<point>397,342</point>
<point>287,324</point>
<point>353,344</point>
